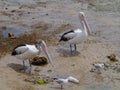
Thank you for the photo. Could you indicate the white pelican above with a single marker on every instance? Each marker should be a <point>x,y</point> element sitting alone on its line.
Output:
<point>76,36</point>
<point>25,51</point>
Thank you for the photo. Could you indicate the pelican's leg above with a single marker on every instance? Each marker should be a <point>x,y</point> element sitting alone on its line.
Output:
<point>75,47</point>
<point>30,65</point>
<point>71,48</point>
<point>24,65</point>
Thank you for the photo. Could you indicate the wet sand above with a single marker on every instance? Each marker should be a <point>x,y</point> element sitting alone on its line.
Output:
<point>57,17</point>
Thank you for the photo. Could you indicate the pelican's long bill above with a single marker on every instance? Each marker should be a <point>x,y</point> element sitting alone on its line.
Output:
<point>44,48</point>
<point>82,18</point>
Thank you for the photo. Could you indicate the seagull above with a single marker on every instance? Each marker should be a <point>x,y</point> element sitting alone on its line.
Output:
<point>62,81</point>
<point>76,36</point>
<point>99,66</point>
<point>27,52</point>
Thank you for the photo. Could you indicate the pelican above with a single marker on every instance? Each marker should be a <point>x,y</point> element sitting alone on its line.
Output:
<point>25,51</point>
<point>76,36</point>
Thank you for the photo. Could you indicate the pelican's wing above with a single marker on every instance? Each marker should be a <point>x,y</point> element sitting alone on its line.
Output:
<point>68,35</point>
<point>19,49</point>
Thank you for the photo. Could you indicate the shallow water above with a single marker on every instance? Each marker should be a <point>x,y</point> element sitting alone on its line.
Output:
<point>21,1</point>
<point>104,25</point>
<point>15,30</point>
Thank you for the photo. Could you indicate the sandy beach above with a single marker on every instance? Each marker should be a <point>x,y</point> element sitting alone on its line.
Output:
<point>49,19</point>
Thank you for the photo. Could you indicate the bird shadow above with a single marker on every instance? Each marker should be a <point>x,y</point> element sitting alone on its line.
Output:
<point>67,53</point>
<point>16,67</point>
<point>58,88</point>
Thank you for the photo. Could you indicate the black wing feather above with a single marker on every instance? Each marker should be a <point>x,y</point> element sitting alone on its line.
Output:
<point>15,52</point>
<point>63,38</point>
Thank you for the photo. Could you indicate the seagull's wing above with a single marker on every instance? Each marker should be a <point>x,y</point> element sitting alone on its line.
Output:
<point>20,49</point>
<point>60,81</point>
<point>98,65</point>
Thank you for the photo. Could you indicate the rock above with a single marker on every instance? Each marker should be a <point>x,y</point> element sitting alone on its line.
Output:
<point>11,35</point>
<point>112,57</point>
<point>39,61</point>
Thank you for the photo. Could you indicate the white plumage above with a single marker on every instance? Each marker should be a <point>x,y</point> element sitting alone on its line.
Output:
<point>62,81</point>
<point>73,79</point>
<point>99,66</point>
<point>76,36</point>
<point>27,52</point>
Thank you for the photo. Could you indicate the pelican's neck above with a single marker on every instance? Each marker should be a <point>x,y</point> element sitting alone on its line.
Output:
<point>84,27</point>
<point>45,49</point>
<point>84,24</point>
<point>38,48</point>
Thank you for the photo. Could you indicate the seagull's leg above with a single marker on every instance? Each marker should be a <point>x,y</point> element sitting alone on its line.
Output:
<point>24,65</point>
<point>30,65</point>
<point>99,71</point>
<point>61,86</point>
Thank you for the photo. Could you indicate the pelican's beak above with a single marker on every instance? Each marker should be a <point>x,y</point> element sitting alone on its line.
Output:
<point>82,17</point>
<point>44,48</point>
